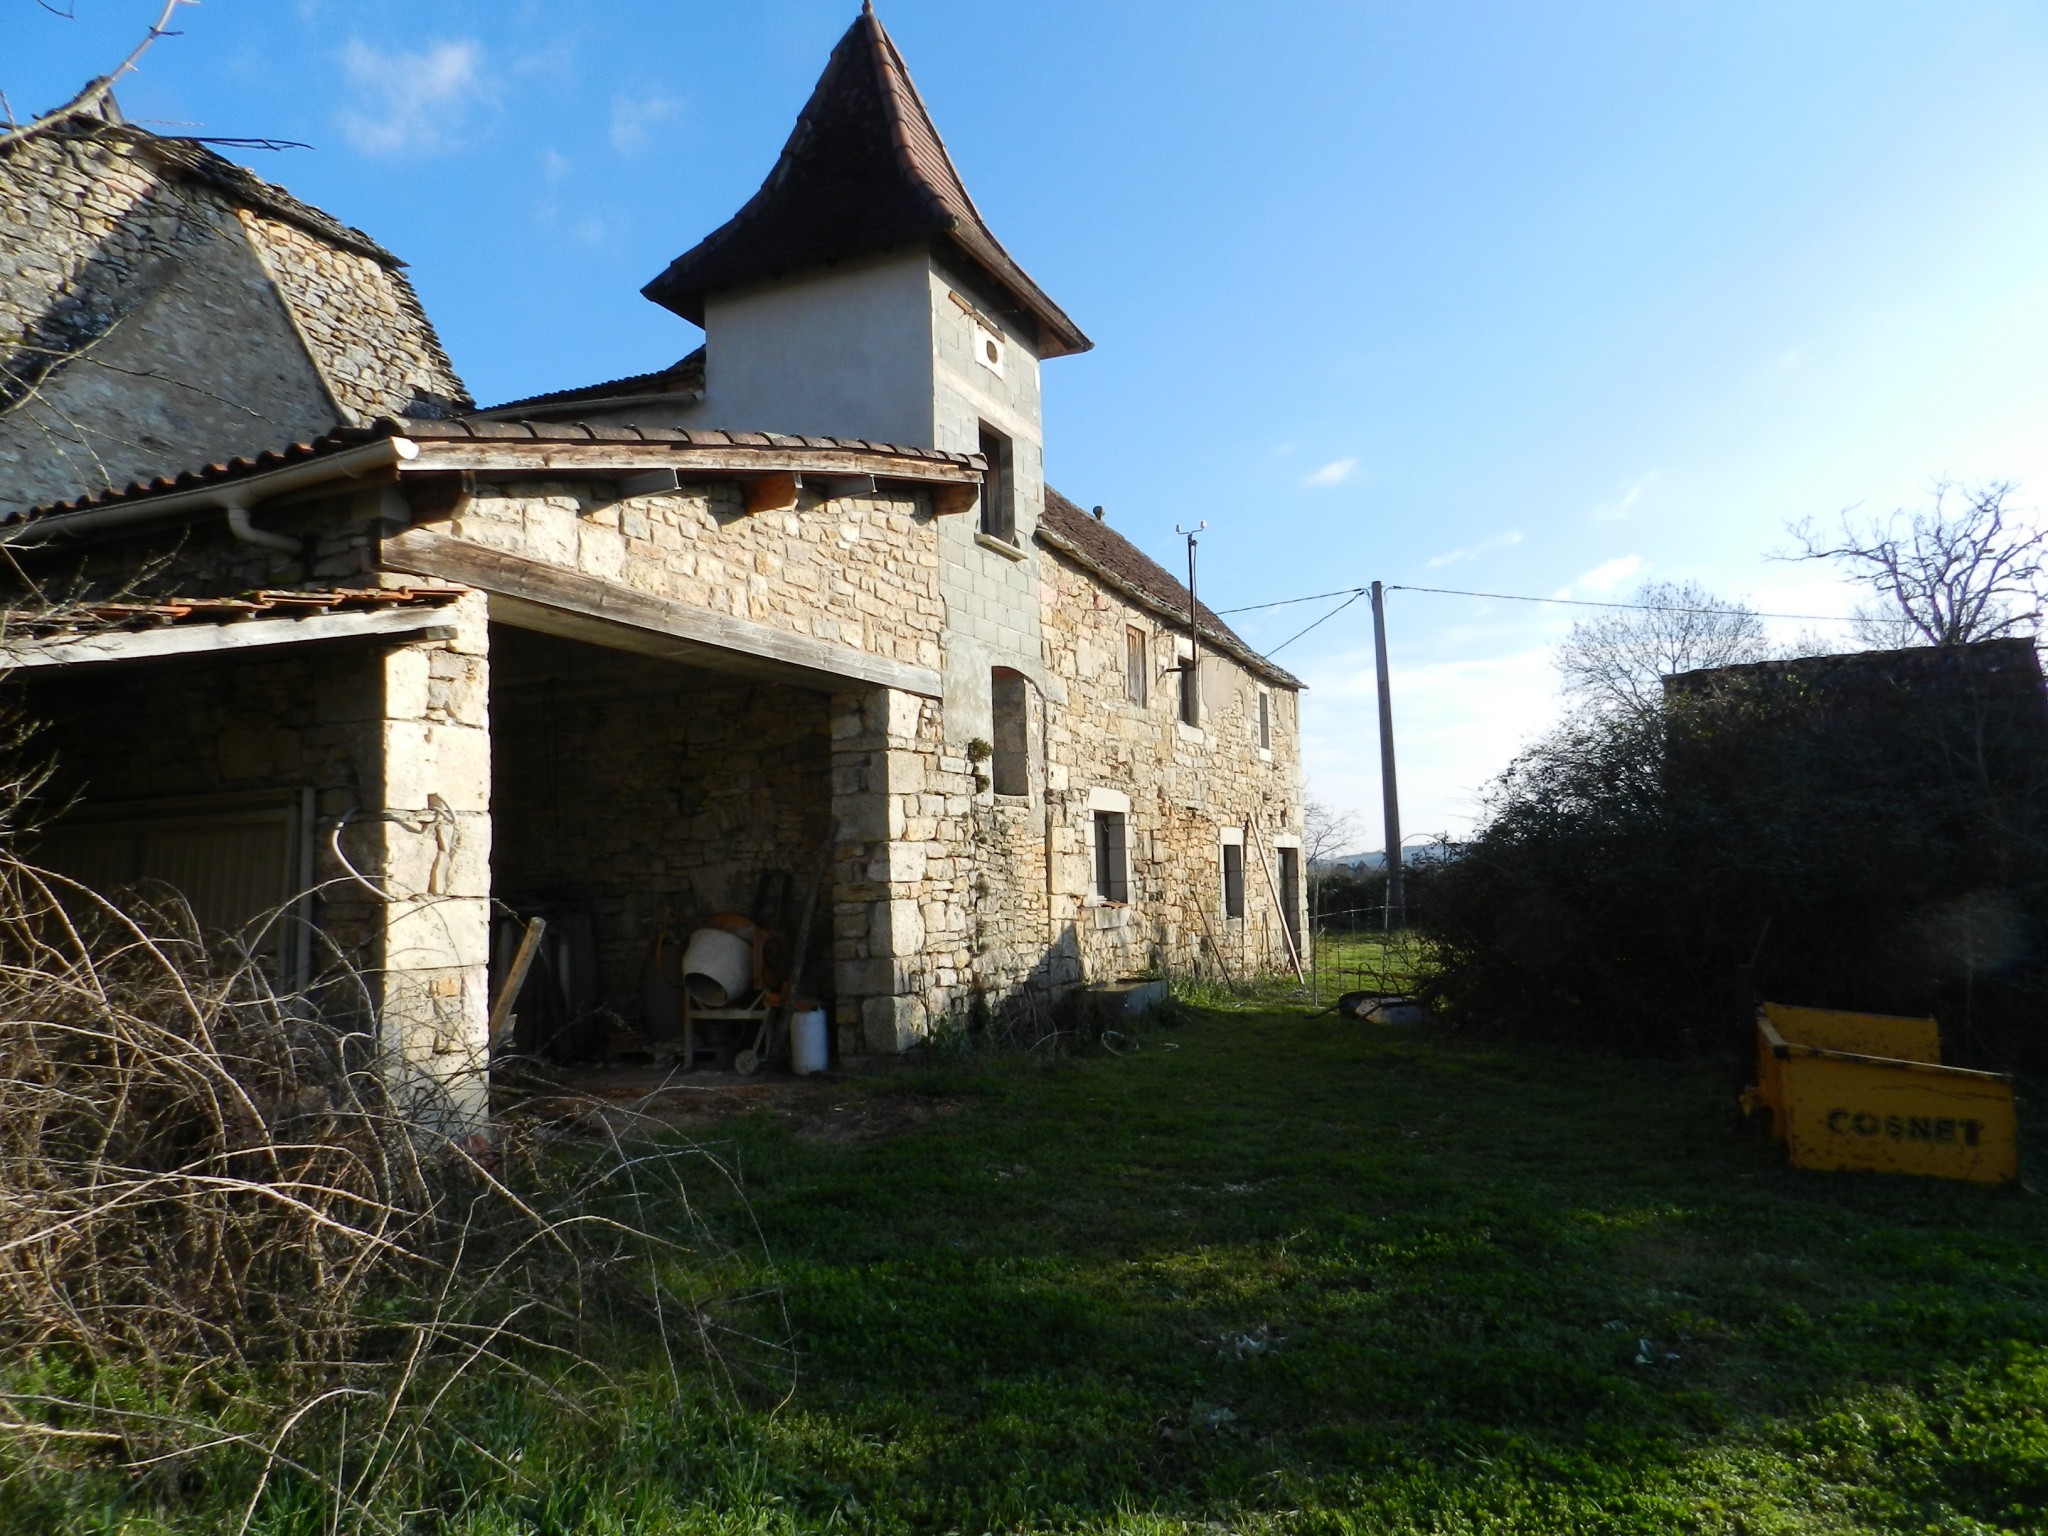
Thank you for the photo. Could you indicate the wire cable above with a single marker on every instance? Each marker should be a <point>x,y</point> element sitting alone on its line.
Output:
<point>1354,597</point>
<point>1354,593</point>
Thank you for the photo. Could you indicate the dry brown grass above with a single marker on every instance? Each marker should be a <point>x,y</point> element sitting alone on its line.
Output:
<point>223,1231</point>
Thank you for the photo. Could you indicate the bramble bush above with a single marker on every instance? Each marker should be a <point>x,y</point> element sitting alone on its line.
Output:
<point>1859,831</point>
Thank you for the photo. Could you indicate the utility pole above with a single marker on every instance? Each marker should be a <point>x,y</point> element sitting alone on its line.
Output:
<point>1390,796</point>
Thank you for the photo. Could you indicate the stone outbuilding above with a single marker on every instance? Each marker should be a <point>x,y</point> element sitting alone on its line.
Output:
<point>799,609</point>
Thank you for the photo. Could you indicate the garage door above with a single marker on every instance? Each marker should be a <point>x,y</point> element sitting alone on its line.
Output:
<point>239,861</point>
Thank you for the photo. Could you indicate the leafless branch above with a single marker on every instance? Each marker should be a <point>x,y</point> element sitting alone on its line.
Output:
<point>96,92</point>
<point>1616,663</point>
<point>1959,570</point>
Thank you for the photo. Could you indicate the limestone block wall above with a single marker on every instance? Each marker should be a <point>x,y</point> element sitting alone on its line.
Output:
<point>1188,789</point>
<point>393,741</point>
<point>431,850</point>
<point>855,571</point>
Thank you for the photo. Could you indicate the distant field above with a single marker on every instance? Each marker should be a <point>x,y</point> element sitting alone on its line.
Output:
<point>1269,1273</point>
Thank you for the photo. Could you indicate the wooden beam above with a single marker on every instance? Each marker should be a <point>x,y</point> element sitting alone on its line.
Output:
<point>773,493</point>
<point>950,499</point>
<point>499,457</point>
<point>532,594</point>
<point>220,639</point>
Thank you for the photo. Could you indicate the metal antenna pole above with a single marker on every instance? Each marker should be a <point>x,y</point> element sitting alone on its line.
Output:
<point>1193,665</point>
<point>1390,795</point>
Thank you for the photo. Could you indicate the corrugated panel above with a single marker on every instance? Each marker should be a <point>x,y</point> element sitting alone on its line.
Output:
<point>234,862</point>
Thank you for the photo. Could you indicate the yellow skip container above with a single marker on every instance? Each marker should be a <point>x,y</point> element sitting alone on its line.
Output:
<point>1867,1090</point>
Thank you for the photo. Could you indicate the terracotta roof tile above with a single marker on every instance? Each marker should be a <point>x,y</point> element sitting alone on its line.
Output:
<point>429,430</point>
<point>864,170</point>
<point>684,379</point>
<point>1069,530</point>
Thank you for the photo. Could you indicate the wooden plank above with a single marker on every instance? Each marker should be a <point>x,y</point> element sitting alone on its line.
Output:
<point>535,595</point>
<point>1279,907</point>
<point>217,639</point>
<point>773,493</point>
<point>508,994</point>
<point>500,456</point>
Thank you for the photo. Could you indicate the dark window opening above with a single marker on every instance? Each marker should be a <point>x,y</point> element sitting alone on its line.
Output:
<point>1111,878</point>
<point>998,493</point>
<point>1190,691</point>
<point>1010,767</point>
<point>1266,720</point>
<point>1136,670</point>
<point>1290,893</point>
<point>1233,880</point>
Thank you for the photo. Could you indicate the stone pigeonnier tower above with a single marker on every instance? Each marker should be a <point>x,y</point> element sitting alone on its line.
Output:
<point>860,294</point>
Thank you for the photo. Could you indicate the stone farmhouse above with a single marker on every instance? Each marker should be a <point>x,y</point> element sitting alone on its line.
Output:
<point>317,636</point>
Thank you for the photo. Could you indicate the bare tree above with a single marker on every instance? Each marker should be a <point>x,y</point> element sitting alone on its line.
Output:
<point>1325,833</point>
<point>98,90</point>
<point>1615,663</point>
<point>1957,571</point>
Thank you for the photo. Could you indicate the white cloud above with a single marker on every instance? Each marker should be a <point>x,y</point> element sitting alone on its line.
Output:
<point>1506,540</point>
<point>1336,472</point>
<point>1614,511</point>
<point>634,119</point>
<point>411,103</point>
<point>1609,574</point>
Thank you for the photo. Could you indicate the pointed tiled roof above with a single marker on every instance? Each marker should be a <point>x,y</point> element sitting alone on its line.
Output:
<point>863,170</point>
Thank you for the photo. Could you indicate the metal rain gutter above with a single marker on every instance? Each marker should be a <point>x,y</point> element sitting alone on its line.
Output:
<point>235,496</point>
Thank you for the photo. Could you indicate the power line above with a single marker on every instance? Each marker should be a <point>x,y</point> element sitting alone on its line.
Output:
<point>1518,597</point>
<point>1348,601</point>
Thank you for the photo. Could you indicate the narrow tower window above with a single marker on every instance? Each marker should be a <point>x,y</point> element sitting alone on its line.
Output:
<point>1010,767</point>
<point>998,493</point>
<point>1233,879</point>
<point>1136,668</point>
<point>1265,720</point>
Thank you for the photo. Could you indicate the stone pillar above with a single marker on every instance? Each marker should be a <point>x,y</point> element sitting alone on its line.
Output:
<point>883,746</point>
<point>434,838</point>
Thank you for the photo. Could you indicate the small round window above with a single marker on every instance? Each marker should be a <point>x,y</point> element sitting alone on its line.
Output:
<point>988,346</point>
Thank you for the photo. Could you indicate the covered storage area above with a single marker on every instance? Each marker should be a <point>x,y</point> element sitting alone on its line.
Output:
<point>636,800</point>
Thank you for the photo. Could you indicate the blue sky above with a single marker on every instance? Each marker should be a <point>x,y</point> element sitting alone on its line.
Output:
<point>1530,298</point>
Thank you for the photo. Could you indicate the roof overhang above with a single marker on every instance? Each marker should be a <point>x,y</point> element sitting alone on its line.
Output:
<point>774,468</point>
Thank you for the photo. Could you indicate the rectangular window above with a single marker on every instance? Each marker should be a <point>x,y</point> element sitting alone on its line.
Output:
<point>1112,881</point>
<point>1265,720</point>
<point>1137,665</point>
<point>1190,691</point>
<point>1009,710</point>
<point>1290,893</point>
<point>1233,879</point>
<point>998,493</point>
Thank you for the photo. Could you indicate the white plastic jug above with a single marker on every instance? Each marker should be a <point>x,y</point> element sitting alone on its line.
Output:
<point>808,1043</point>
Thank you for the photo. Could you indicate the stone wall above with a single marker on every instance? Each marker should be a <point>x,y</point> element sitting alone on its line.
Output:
<point>1188,789</point>
<point>363,324</point>
<point>392,740</point>
<point>854,571</point>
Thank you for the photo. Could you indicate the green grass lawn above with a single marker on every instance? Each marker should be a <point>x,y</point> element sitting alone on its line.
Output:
<point>1272,1273</point>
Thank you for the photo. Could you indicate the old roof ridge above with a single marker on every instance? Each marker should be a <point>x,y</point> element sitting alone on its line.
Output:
<point>1114,558</point>
<point>863,170</point>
